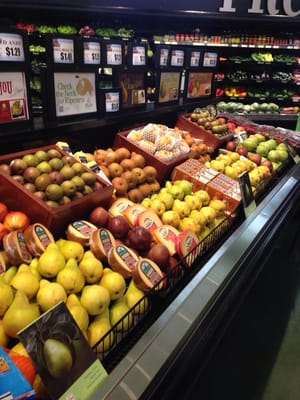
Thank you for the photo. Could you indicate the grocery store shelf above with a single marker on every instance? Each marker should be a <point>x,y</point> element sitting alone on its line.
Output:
<point>142,371</point>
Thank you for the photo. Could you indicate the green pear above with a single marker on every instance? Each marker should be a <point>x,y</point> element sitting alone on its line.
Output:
<point>51,261</point>
<point>182,208</point>
<point>70,277</point>
<point>91,267</point>
<point>98,328</point>
<point>120,315</point>
<point>6,296</point>
<point>58,358</point>
<point>50,294</point>
<point>25,280</point>
<point>19,314</point>
<point>136,299</point>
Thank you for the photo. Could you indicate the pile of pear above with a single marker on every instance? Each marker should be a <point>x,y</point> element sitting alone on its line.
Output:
<point>177,205</point>
<point>97,297</point>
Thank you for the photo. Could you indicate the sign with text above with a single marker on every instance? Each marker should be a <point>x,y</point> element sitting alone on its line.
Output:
<point>247,193</point>
<point>75,93</point>
<point>11,47</point>
<point>63,51</point>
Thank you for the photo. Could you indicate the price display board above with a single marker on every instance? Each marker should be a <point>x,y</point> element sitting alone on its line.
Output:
<point>11,47</point>
<point>162,56</point>
<point>249,204</point>
<point>193,58</point>
<point>63,50</point>
<point>110,99</point>
<point>210,59</point>
<point>136,55</point>
<point>177,58</point>
<point>91,52</point>
<point>113,54</point>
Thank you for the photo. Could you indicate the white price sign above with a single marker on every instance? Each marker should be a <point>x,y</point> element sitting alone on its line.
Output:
<point>11,47</point>
<point>195,59</point>
<point>63,51</point>
<point>138,55</point>
<point>112,101</point>
<point>177,58</point>
<point>114,54</point>
<point>210,59</point>
<point>91,53</point>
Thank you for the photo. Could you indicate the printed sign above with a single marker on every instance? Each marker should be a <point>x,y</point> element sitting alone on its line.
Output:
<point>247,194</point>
<point>169,87</point>
<point>11,47</point>
<point>13,97</point>
<point>63,51</point>
<point>91,53</point>
<point>74,93</point>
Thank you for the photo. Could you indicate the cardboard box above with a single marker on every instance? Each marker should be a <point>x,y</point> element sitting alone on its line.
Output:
<point>16,197</point>
<point>197,131</point>
<point>164,169</point>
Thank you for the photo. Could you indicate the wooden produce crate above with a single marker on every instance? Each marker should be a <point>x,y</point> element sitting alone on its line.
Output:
<point>210,139</point>
<point>164,168</point>
<point>17,197</point>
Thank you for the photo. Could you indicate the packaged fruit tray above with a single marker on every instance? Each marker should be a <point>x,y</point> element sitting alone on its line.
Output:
<point>164,167</point>
<point>211,139</point>
<point>16,194</point>
<point>111,347</point>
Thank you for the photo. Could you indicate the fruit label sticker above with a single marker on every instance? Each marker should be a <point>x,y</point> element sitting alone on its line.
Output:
<point>74,93</point>
<point>13,97</point>
<point>11,47</point>
<point>247,194</point>
<point>63,51</point>
<point>62,356</point>
<point>91,53</point>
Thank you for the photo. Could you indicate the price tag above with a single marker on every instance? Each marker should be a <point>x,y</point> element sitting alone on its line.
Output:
<point>210,59</point>
<point>138,56</point>
<point>195,59</point>
<point>163,60</point>
<point>11,47</point>
<point>247,194</point>
<point>112,101</point>
<point>91,53</point>
<point>292,152</point>
<point>63,51</point>
<point>114,54</point>
<point>177,58</point>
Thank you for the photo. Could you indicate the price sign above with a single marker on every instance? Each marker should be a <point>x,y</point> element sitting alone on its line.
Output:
<point>292,152</point>
<point>210,59</point>
<point>177,58</point>
<point>247,194</point>
<point>195,59</point>
<point>114,54</point>
<point>112,101</point>
<point>11,47</point>
<point>91,53</point>
<point>63,51</point>
<point>163,59</point>
<point>138,55</point>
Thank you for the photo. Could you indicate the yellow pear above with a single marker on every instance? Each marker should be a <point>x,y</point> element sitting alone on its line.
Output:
<point>25,280</point>
<point>119,311</point>
<point>9,274</point>
<point>34,267</point>
<point>4,339</point>
<point>70,249</point>
<point>50,294</point>
<point>136,299</point>
<point>114,283</point>
<point>91,267</point>
<point>70,277</point>
<point>6,296</point>
<point>95,299</point>
<point>78,312</point>
<point>98,329</point>
<point>19,314</point>
<point>51,261</point>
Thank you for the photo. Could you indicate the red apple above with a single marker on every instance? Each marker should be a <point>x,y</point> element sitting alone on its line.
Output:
<point>159,253</point>
<point>118,226</point>
<point>140,239</point>
<point>16,220</point>
<point>242,151</point>
<point>268,164</point>
<point>255,157</point>
<point>3,211</point>
<point>231,145</point>
<point>99,216</point>
<point>3,230</point>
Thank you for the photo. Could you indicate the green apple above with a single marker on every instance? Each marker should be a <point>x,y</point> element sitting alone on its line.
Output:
<point>167,199</point>
<point>182,208</point>
<point>198,217</point>
<point>177,192</point>
<point>158,206</point>
<point>171,217</point>
<point>193,201</point>
<point>146,202</point>
<point>185,185</point>
<point>274,155</point>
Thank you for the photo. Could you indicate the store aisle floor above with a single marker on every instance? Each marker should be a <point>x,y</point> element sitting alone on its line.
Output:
<point>259,356</point>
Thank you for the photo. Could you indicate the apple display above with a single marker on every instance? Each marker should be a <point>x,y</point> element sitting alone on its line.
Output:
<point>118,226</point>
<point>99,216</point>
<point>160,254</point>
<point>140,239</point>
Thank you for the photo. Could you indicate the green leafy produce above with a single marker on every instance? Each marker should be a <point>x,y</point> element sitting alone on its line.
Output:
<point>66,29</point>
<point>46,29</point>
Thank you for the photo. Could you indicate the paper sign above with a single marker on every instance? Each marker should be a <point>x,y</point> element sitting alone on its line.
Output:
<point>247,194</point>
<point>66,363</point>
